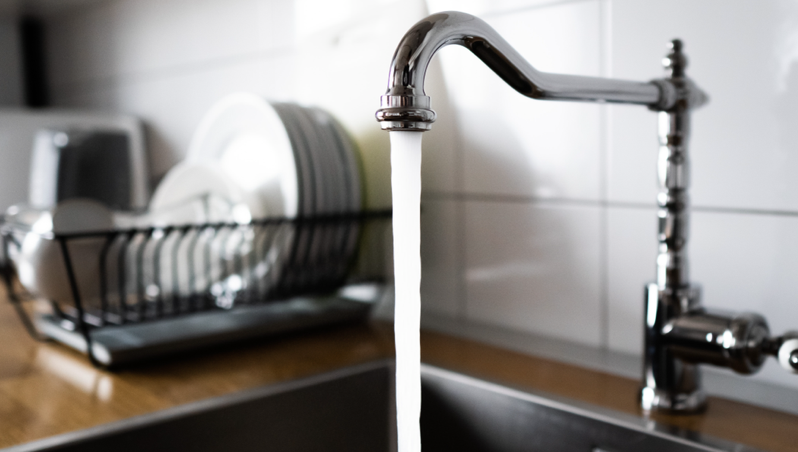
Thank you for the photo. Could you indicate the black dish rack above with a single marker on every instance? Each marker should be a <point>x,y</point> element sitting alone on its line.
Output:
<point>127,295</point>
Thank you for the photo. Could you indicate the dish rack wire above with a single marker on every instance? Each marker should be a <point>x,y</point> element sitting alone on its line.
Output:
<point>155,273</point>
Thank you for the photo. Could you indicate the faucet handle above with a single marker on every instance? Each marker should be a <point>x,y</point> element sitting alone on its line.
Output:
<point>675,61</point>
<point>677,88</point>
<point>788,351</point>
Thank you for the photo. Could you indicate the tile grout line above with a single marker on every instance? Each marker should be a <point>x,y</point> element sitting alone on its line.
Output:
<point>460,230</point>
<point>462,257</point>
<point>528,199</point>
<point>604,155</point>
<point>745,211</point>
<point>522,9</point>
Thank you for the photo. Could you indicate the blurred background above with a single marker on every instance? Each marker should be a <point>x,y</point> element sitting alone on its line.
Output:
<point>539,218</point>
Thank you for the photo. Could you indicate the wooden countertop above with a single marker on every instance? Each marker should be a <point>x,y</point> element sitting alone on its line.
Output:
<point>46,389</point>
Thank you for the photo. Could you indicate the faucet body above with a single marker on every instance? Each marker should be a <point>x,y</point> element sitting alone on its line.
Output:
<point>680,333</point>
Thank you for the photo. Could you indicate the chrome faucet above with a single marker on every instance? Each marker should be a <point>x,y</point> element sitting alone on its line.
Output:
<point>680,334</point>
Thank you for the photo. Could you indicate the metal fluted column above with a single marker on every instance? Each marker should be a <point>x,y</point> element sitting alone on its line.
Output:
<point>671,384</point>
<point>673,169</point>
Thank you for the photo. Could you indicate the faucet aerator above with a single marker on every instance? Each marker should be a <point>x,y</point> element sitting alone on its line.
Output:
<point>408,113</point>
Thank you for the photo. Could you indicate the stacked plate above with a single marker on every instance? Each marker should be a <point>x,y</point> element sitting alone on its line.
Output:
<point>329,184</point>
<point>287,161</point>
<point>292,160</point>
<point>327,169</point>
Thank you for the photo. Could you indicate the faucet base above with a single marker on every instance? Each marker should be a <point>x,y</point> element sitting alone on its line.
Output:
<point>680,335</point>
<point>665,401</point>
<point>670,384</point>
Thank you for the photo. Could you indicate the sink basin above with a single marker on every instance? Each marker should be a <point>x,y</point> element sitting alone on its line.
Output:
<point>353,410</point>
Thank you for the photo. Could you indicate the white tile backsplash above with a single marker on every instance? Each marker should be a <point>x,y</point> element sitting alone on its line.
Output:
<point>441,258</point>
<point>538,216</point>
<point>513,145</point>
<point>173,104</point>
<point>534,268</point>
<point>631,254</point>
<point>745,55</point>
<point>489,8</point>
<point>137,38</point>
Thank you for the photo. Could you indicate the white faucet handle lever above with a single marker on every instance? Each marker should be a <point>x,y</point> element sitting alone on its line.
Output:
<point>788,352</point>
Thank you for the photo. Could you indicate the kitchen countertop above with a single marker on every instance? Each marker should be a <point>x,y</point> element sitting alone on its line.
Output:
<point>47,389</point>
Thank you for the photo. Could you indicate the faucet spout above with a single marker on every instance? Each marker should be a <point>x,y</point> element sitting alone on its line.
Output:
<point>405,105</point>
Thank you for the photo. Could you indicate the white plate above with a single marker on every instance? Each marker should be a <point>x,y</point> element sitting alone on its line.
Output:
<point>200,192</point>
<point>244,135</point>
<point>245,139</point>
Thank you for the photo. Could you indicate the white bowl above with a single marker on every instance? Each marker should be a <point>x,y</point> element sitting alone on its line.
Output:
<point>39,260</point>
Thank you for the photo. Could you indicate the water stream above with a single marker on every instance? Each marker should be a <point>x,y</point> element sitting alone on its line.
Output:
<point>406,187</point>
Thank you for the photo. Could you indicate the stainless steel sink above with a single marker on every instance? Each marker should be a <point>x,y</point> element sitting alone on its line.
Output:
<point>353,410</point>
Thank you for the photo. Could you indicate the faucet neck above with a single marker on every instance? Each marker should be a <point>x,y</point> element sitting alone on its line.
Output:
<point>405,105</point>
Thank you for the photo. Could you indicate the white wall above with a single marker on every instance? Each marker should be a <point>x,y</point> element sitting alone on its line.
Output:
<point>538,217</point>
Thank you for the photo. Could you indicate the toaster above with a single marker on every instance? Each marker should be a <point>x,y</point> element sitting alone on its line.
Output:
<point>82,163</point>
<point>52,155</point>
